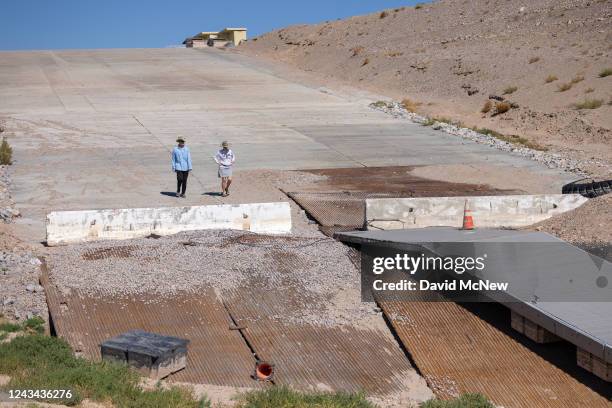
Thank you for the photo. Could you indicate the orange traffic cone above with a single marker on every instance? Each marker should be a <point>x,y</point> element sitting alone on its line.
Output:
<point>264,371</point>
<point>468,221</point>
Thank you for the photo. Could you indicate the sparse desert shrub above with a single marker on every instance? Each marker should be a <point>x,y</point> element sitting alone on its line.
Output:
<point>9,327</point>
<point>429,122</point>
<point>514,139</point>
<point>381,104</point>
<point>589,90</point>
<point>550,78</point>
<point>502,107</point>
<point>365,62</point>
<point>486,108</point>
<point>534,60</point>
<point>383,14</point>
<point>565,87</point>
<point>589,104</point>
<point>418,6</point>
<point>605,72</point>
<point>35,324</point>
<point>6,152</point>
<point>410,105</point>
<point>577,78</point>
<point>510,89</point>
<point>444,119</point>
<point>394,54</point>
<point>357,50</point>
<point>488,132</point>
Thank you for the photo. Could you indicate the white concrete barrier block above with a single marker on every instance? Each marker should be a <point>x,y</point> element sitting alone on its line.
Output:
<point>511,211</point>
<point>65,227</point>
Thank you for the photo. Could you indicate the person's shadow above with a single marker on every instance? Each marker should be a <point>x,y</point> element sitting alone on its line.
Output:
<point>168,193</point>
<point>213,193</point>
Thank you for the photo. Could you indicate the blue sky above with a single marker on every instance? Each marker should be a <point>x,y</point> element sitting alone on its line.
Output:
<point>60,24</point>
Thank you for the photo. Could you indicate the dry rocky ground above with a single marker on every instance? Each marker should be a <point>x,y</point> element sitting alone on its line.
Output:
<point>588,226</point>
<point>452,56</point>
<point>21,296</point>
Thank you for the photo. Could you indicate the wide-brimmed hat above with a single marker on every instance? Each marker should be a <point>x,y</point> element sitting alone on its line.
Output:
<point>180,139</point>
<point>224,144</point>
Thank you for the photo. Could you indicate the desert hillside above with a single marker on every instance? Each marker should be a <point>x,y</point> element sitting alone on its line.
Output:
<point>551,59</point>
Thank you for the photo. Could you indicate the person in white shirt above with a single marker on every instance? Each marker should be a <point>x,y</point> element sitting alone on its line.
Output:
<point>225,158</point>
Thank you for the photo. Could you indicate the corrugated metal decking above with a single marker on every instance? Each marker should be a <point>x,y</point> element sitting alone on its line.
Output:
<point>216,355</point>
<point>314,346</point>
<point>458,352</point>
<point>312,357</point>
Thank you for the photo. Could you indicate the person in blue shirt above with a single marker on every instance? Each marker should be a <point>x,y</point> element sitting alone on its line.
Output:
<point>181,165</point>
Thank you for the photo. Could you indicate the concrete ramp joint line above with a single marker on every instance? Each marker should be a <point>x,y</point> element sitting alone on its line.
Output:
<point>64,227</point>
<point>512,211</point>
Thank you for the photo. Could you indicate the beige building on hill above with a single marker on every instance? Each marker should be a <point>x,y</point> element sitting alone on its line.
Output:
<point>226,37</point>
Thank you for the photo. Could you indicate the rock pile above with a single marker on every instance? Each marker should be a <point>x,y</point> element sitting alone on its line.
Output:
<point>7,210</point>
<point>21,296</point>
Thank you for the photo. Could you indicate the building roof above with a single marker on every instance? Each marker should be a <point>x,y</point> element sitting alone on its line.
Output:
<point>200,36</point>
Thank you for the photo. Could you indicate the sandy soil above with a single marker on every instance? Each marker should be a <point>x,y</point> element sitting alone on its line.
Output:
<point>571,226</point>
<point>588,226</point>
<point>450,56</point>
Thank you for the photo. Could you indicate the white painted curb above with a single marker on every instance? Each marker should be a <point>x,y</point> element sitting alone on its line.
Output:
<point>65,227</point>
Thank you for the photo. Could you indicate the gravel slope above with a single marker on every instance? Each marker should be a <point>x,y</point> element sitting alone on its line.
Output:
<point>21,296</point>
<point>317,273</point>
<point>588,226</point>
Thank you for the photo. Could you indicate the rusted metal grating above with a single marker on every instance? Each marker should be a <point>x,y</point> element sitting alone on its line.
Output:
<point>458,352</point>
<point>291,327</point>
<point>124,251</point>
<point>339,210</point>
<point>285,318</point>
<point>328,357</point>
<point>216,354</point>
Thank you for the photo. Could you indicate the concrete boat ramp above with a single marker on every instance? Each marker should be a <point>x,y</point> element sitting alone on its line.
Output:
<point>69,131</point>
<point>82,107</point>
